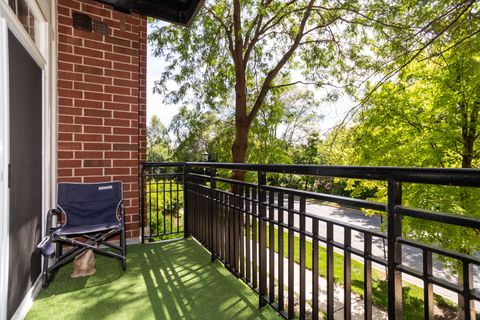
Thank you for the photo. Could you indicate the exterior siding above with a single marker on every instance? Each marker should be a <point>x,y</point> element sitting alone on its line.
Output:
<point>102,100</point>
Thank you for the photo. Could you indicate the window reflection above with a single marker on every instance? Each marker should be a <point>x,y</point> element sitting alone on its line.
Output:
<point>21,9</point>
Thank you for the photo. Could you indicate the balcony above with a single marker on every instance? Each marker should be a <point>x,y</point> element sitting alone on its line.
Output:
<point>296,258</point>
<point>174,280</point>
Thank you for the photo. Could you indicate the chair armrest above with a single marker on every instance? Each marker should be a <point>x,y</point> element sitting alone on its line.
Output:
<point>50,213</point>
<point>122,211</point>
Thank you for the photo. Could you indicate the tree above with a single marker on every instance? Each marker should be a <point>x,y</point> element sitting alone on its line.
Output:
<point>250,46</point>
<point>427,117</point>
<point>253,46</point>
<point>158,141</point>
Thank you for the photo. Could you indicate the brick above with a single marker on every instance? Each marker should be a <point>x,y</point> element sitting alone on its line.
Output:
<point>88,86</point>
<point>116,171</point>
<point>82,51</point>
<point>125,99</point>
<point>101,178</point>
<point>98,46</point>
<point>97,96</point>
<point>118,155</point>
<point>126,131</point>
<point>88,155</point>
<point>124,146</point>
<point>68,75</point>
<point>72,4</point>
<point>70,40</point>
<point>69,163</point>
<point>69,179</point>
<point>97,62</point>
<point>89,70</point>
<point>117,57</point>
<point>125,83</point>
<point>98,79</point>
<point>68,93</point>
<point>65,119</point>
<point>88,172</point>
<point>82,103</point>
<point>63,29</point>
<point>116,138</point>
<point>62,136</point>
<point>65,172</point>
<point>88,120</point>
<point>117,74</point>
<point>98,129</point>
<point>66,48</point>
<point>96,10</point>
<point>69,145</point>
<point>87,35</point>
<point>117,90</point>
<point>69,128</point>
<point>97,113</point>
<point>116,106</point>
<point>125,50</point>
<point>88,137</point>
<point>96,163</point>
<point>65,154</point>
<point>96,146</point>
<point>64,84</point>
<point>118,41</point>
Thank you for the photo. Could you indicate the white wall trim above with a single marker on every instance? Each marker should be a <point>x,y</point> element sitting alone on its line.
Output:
<point>44,53</point>
<point>4,156</point>
<point>27,302</point>
<point>21,34</point>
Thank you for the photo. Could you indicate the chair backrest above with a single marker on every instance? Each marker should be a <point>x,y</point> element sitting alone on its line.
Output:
<point>89,203</point>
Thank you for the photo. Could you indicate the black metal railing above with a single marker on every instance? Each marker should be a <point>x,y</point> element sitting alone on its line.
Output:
<point>265,235</point>
<point>162,201</point>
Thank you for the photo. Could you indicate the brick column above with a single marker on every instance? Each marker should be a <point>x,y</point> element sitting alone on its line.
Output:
<point>102,100</point>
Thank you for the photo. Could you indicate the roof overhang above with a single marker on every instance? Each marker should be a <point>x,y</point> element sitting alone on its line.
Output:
<point>181,12</point>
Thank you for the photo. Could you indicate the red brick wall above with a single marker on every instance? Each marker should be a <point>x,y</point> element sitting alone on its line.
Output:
<point>102,100</point>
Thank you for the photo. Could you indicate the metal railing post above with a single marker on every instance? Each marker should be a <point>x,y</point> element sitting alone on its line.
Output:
<point>186,215</point>
<point>395,308</point>
<point>262,181</point>
<point>213,186</point>
<point>142,203</point>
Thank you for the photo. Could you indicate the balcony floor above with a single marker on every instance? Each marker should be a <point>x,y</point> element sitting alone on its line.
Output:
<point>170,280</point>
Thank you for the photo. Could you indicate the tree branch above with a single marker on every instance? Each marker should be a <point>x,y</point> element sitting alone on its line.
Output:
<point>273,73</point>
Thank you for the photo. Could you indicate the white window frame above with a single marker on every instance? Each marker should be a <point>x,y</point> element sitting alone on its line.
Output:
<point>44,52</point>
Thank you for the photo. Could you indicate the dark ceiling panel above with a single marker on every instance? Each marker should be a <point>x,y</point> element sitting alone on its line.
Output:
<point>176,11</point>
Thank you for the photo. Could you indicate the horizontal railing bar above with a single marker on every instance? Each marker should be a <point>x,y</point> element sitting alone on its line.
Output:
<point>198,175</point>
<point>462,221</point>
<point>162,175</point>
<point>434,280</point>
<point>243,183</point>
<point>475,293</point>
<point>359,203</point>
<point>323,219</point>
<point>445,176</point>
<point>163,164</point>
<point>443,252</point>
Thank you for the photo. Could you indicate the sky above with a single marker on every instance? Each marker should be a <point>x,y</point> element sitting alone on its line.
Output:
<point>332,112</point>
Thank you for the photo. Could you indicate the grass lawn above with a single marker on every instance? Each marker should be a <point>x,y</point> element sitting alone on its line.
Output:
<point>173,280</point>
<point>412,294</point>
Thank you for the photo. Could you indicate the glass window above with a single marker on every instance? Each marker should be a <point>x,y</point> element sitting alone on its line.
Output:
<point>21,9</point>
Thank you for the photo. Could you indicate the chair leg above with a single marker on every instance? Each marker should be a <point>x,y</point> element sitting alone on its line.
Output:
<point>124,249</point>
<point>45,277</point>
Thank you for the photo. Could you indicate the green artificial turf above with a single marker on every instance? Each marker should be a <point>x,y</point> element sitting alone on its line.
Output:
<point>170,280</point>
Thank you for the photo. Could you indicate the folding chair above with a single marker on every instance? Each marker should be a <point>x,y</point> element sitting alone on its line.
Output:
<point>93,213</point>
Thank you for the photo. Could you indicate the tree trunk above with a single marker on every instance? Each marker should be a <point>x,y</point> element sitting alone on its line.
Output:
<point>240,146</point>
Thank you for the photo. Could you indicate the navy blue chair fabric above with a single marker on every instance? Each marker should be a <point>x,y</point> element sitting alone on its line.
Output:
<point>94,215</point>
<point>89,207</point>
